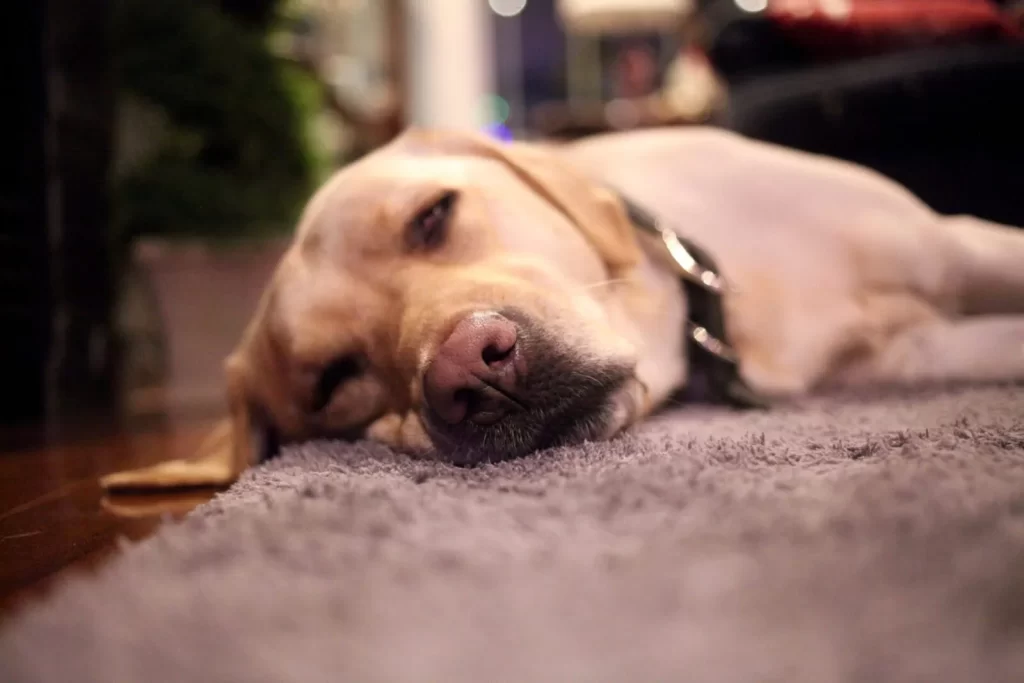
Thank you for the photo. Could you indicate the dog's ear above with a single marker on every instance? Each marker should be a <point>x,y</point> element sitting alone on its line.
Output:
<point>235,443</point>
<point>594,209</point>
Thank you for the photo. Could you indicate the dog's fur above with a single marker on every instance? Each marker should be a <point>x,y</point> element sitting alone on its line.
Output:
<point>836,276</point>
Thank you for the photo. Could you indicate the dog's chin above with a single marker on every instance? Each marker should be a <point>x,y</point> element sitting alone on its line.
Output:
<point>600,403</point>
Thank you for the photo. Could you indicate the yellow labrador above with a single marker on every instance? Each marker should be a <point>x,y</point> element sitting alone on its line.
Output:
<point>457,297</point>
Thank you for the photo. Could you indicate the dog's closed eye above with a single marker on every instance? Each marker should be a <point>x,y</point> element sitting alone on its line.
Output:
<point>334,374</point>
<point>429,228</point>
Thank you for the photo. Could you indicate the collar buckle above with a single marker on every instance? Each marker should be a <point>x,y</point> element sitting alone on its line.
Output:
<point>705,278</point>
<point>687,265</point>
<point>703,287</point>
<point>713,345</point>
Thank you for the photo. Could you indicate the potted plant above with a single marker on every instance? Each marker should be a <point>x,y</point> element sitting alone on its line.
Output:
<point>216,153</point>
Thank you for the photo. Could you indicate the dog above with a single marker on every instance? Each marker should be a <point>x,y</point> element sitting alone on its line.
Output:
<point>457,297</point>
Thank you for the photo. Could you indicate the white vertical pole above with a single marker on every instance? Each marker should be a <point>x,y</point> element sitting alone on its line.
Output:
<point>451,62</point>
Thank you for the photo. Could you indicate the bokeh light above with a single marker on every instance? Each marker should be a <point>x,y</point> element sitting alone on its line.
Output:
<point>496,109</point>
<point>506,8</point>
<point>499,131</point>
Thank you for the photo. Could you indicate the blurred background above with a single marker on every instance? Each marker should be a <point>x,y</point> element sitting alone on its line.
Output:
<point>160,150</point>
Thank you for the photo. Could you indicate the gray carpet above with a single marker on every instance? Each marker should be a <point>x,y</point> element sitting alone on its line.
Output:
<point>868,538</point>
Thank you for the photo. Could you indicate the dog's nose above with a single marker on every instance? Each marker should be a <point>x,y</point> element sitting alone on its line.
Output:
<point>473,376</point>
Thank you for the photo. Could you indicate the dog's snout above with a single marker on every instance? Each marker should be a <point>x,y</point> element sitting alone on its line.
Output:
<point>473,376</point>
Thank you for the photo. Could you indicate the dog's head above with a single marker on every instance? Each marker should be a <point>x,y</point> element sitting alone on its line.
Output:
<point>450,294</point>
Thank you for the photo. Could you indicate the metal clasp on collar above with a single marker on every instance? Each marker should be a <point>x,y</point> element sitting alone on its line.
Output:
<point>705,278</point>
<point>703,288</point>
<point>708,280</point>
<point>710,343</point>
<point>688,266</point>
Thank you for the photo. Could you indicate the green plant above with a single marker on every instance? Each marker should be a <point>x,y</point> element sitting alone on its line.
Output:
<point>237,158</point>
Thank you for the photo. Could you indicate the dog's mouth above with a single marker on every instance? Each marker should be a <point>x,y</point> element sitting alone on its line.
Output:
<point>539,393</point>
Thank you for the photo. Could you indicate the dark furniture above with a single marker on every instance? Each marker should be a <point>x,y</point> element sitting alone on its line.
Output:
<point>56,275</point>
<point>945,122</point>
<point>938,112</point>
<point>24,267</point>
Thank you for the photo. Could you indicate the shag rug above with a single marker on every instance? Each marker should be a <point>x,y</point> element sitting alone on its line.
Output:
<point>843,538</point>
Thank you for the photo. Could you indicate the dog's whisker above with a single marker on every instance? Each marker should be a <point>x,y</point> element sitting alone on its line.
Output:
<point>604,283</point>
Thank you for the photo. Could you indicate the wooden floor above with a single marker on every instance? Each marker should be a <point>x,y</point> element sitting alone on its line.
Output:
<point>54,519</point>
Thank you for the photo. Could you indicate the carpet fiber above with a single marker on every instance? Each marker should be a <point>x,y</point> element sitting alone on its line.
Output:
<point>857,538</point>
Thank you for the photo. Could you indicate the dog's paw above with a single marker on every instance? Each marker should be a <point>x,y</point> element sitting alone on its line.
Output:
<point>402,432</point>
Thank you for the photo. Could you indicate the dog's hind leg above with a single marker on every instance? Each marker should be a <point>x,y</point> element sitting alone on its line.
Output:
<point>974,330</point>
<point>976,349</point>
<point>986,262</point>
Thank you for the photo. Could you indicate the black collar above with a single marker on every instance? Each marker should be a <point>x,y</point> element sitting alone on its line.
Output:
<point>707,342</point>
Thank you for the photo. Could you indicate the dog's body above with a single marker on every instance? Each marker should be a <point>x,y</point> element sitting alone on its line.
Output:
<point>449,294</point>
<point>838,275</point>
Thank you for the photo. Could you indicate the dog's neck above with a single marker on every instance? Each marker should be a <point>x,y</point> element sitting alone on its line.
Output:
<point>651,309</point>
<point>710,367</point>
